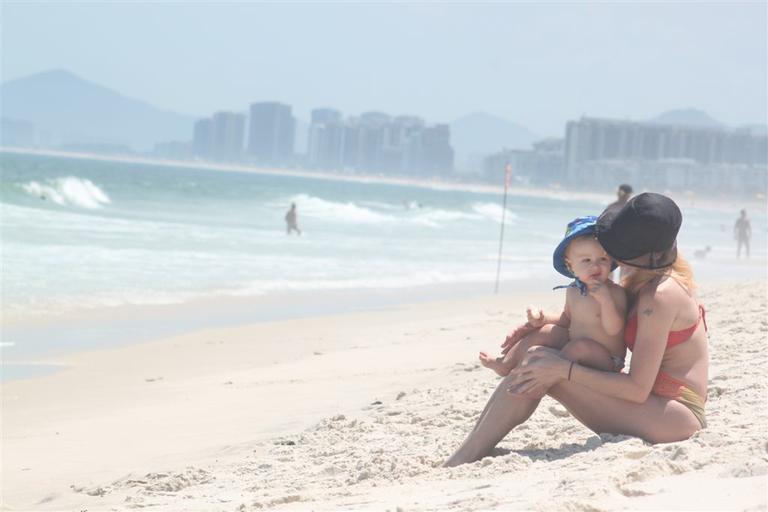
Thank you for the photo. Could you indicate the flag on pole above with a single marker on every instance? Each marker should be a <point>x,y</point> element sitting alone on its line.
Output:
<point>507,178</point>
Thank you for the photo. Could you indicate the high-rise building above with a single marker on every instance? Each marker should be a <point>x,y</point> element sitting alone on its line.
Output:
<point>591,139</point>
<point>376,142</point>
<point>271,133</point>
<point>202,140</point>
<point>541,165</point>
<point>326,115</point>
<point>600,152</point>
<point>326,139</point>
<point>228,136</point>
<point>372,128</point>
<point>437,153</point>
<point>351,148</point>
<point>403,151</point>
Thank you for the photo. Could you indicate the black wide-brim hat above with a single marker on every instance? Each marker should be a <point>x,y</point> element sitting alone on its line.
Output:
<point>643,232</point>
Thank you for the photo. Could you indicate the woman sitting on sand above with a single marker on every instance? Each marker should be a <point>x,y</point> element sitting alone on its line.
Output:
<point>661,398</point>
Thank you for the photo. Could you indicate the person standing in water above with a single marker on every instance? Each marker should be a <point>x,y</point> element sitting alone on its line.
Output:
<point>742,232</point>
<point>290,221</point>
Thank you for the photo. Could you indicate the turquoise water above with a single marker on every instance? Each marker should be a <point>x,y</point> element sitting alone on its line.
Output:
<point>109,234</point>
<point>83,235</point>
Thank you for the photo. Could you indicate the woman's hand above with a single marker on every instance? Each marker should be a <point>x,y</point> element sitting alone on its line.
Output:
<point>520,332</point>
<point>541,369</point>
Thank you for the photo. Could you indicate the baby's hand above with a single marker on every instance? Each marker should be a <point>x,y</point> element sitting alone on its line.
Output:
<point>520,332</point>
<point>599,290</point>
<point>537,319</point>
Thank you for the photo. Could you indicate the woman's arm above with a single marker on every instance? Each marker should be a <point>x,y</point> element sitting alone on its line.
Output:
<point>546,367</point>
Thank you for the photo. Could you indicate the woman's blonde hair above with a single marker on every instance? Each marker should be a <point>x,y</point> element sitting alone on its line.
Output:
<point>680,271</point>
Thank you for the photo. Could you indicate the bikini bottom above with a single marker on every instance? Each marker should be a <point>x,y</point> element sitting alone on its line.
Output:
<point>669,387</point>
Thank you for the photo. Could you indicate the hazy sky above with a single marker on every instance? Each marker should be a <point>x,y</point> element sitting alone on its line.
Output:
<point>532,63</point>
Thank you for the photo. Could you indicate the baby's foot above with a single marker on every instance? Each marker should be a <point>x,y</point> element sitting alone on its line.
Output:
<point>494,363</point>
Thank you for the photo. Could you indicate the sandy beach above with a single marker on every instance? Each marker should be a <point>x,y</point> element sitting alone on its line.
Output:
<point>352,412</point>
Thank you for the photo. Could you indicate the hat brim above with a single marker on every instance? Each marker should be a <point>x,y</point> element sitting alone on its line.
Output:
<point>654,260</point>
<point>558,257</point>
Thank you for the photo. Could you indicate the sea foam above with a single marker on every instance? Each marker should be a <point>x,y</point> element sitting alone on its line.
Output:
<point>493,211</point>
<point>334,211</point>
<point>69,191</point>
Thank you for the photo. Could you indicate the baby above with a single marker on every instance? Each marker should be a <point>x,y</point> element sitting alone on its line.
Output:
<point>592,322</point>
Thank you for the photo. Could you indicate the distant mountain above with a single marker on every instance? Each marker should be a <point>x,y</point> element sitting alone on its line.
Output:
<point>688,117</point>
<point>477,135</point>
<point>68,110</point>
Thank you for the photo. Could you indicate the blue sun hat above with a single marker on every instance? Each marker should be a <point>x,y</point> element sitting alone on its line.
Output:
<point>580,226</point>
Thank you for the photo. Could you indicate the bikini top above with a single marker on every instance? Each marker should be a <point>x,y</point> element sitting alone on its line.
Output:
<point>674,338</point>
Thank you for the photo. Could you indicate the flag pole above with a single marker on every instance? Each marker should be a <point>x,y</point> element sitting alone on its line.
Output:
<point>507,176</point>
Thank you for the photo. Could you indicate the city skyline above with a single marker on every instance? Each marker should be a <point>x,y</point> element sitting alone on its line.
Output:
<point>371,142</point>
<point>534,65</point>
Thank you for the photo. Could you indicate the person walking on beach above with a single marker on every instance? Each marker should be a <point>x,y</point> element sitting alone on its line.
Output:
<point>742,232</point>
<point>290,221</point>
<point>662,396</point>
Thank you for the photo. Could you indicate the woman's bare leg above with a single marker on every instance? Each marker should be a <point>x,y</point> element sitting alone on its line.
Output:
<point>548,336</point>
<point>657,420</point>
<point>504,411</point>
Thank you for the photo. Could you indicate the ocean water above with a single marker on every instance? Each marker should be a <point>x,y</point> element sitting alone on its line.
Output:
<point>83,234</point>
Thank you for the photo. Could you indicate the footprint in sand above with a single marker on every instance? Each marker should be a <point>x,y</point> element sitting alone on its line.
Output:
<point>637,453</point>
<point>560,412</point>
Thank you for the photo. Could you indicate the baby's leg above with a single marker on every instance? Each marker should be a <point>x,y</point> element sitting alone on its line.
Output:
<point>552,336</point>
<point>589,353</point>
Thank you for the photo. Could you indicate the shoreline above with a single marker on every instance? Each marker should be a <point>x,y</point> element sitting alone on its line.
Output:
<point>46,342</point>
<point>39,342</point>
<point>152,380</point>
<point>356,411</point>
<point>321,175</point>
<point>557,193</point>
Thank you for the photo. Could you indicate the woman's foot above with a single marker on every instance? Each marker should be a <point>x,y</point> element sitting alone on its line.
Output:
<point>494,363</point>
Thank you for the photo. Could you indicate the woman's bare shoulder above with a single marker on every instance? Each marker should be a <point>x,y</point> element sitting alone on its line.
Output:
<point>653,291</point>
<point>665,291</point>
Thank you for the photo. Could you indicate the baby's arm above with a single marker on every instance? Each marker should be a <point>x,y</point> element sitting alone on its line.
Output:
<point>613,306</point>
<point>541,318</point>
